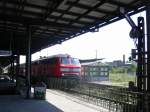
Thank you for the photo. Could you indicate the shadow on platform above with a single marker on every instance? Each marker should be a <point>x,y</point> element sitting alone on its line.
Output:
<point>14,103</point>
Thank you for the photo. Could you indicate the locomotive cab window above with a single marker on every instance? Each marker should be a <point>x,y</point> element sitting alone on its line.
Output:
<point>74,61</point>
<point>64,60</point>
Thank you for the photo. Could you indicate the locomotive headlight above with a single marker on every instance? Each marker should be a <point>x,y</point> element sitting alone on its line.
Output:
<point>64,69</point>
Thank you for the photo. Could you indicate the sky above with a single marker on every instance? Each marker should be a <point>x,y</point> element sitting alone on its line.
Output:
<point>111,42</point>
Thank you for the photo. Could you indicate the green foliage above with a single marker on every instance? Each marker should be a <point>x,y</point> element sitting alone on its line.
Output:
<point>130,69</point>
<point>118,70</point>
<point>121,77</point>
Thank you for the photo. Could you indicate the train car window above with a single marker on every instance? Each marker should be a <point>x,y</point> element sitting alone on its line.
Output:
<point>102,73</point>
<point>94,69</point>
<point>102,69</point>
<point>106,73</point>
<point>106,69</point>
<point>91,69</point>
<point>74,61</point>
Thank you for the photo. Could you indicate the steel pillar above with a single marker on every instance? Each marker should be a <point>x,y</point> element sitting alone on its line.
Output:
<point>148,47</point>
<point>141,72</point>
<point>12,56</point>
<point>17,67</point>
<point>12,67</point>
<point>148,55</point>
<point>28,63</point>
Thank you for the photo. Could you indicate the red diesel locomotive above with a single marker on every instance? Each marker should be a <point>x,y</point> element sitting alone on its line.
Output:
<point>55,70</point>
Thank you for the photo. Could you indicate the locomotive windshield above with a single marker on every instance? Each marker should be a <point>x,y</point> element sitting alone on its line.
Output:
<point>66,60</point>
<point>74,61</point>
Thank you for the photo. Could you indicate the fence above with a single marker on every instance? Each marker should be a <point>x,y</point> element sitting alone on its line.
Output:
<point>115,99</point>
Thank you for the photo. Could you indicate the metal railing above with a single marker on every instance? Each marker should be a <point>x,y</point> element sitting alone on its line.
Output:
<point>115,99</point>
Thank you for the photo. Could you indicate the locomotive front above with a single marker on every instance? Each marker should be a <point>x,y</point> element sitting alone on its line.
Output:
<point>69,67</point>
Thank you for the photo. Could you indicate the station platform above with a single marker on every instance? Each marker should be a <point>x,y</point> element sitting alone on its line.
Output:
<point>55,102</point>
<point>15,103</point>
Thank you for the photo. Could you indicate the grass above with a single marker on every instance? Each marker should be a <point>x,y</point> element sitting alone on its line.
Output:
<point>121,79</point>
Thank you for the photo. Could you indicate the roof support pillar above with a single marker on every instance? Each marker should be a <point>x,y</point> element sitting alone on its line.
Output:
<point>148,46</point>
<point>12,67</point>
<point>12,56</point>
<point>17,67</point>
<point>28,63</point>
<point>148,55</point>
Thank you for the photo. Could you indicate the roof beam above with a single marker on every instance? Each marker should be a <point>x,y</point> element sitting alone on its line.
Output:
<point>30,5</point>
<point>75,14</point>
<point>89,10</point>
<point>52,4</point>
<point>94,9</point>
<point>118,3</point>
<point>21,6</point>
<point>40,15</point>
<point>55,10</point>
<point>50,31</point>
<point>37,22</point>
<point>70,6</point>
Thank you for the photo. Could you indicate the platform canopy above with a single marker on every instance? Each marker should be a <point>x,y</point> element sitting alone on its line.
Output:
<point>55,21</point>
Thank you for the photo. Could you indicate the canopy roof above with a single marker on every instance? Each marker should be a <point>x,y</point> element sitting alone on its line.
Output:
<point>55,21</point>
